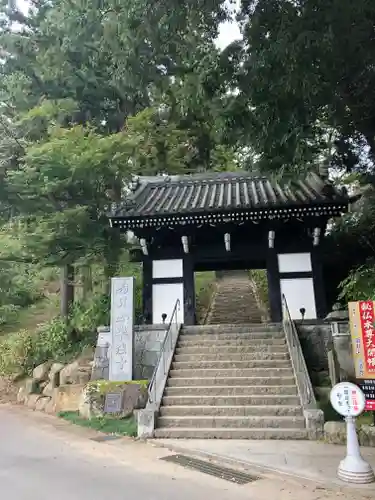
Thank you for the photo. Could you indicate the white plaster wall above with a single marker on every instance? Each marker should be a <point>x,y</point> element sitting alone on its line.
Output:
<point>294,262</point>
<point>299,292</point>
<point>171,268</point>
<point>164,296</point>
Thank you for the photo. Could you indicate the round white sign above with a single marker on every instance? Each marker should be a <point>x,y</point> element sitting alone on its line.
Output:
<point>347,399</point>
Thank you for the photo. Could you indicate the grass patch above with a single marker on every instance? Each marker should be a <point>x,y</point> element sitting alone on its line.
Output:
<point>106,424</point>
<point>32,317</point>
<point>105,386</point>
<point>204,289</point>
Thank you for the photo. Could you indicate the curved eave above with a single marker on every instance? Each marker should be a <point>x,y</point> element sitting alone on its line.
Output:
<point>237,217</point>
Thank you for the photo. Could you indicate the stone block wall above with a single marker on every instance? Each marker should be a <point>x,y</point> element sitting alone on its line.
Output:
<point>148,340</point>
<point>316,340</point>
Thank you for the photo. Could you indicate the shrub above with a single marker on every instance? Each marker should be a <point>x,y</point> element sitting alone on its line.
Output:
<point>20,352</point>
<point>87,317</point>
<point>8,313</point>
<point>16,352</point>
<point>259,276</point>
<point>360,283</point>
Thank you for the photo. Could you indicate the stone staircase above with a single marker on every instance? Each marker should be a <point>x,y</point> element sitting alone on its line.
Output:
<point>231,382</point>
<point>234,301</point>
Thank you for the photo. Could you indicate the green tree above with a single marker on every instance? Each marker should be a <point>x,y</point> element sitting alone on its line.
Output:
<point>307,73</point>
<point>106,55</point>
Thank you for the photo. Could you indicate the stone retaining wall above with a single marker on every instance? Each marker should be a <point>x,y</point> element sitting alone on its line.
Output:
<point>335,433</point>
<point>148,340</point>
<point>316,340</point>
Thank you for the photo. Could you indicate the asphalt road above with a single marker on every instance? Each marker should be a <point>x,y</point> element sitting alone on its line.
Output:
<point>42,458</point>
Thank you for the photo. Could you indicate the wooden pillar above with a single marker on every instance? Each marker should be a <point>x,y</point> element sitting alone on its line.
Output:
<point>319,288</point>
<point>274,293</point>
<point>147,290</point>
<point>189,291</point>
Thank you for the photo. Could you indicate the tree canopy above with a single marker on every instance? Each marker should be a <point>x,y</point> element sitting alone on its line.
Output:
<point>307,72</point>
<point>93,92</point>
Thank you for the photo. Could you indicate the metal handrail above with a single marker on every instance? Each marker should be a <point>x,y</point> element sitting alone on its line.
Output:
<point>304,385</point>
<point>162,361</point>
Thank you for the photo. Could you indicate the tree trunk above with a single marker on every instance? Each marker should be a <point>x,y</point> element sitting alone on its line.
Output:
<point>66,291</point>
<point>111,259</point>
<point>86,276</point>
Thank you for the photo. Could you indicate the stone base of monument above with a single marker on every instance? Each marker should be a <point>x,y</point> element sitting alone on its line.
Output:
<point>118,399</point>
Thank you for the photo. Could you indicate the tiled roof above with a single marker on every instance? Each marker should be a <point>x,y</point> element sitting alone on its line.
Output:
<point>222,193</point>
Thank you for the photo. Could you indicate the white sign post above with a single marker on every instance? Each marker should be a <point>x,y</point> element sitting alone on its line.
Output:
<point>122,325</point>
<point>349,401</point>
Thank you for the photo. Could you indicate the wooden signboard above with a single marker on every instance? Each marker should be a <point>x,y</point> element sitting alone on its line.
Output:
<point>362,330</point>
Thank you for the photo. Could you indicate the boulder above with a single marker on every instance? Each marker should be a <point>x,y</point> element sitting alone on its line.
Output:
<point>42,403</point>
<point>50,407</point>
<point>41,372</point>
<point>93,398</point>
<point>75,373</point>
<point>49,388</point>
<point>30,387</point>
<point>66,398</point>
<point>21,395</point>
<point>32,400</point>
<point>335,432</point>
<point>54,373</point>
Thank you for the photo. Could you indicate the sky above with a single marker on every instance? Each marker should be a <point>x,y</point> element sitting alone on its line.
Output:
<point>229,31</point>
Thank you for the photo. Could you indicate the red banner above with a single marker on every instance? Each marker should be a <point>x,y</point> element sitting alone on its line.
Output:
<point>366,310</point>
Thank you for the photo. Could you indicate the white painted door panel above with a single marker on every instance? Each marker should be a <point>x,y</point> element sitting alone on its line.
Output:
<point>299,292</point>
<point>164,297</point>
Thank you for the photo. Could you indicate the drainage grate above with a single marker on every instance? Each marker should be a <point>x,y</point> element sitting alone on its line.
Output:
<point>231,475</point>
<point>103,439</point>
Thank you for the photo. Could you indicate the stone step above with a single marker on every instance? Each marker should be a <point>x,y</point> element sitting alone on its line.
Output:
<point>231,336</point>
<point>234,342</point>
<point>251,373</point>
<point>221,433</point>
<point>234,390</point>
<point>222,400</point>
<point>244,310</point>
<point>231,411</point>
<point>262,365</point>
<point>232,422</point>
<point>237,356</point>
<point>229,329</point>
<point>233,320</point>
<point>231,349</point>
<point>230,381</point>
<point>242,306</point>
